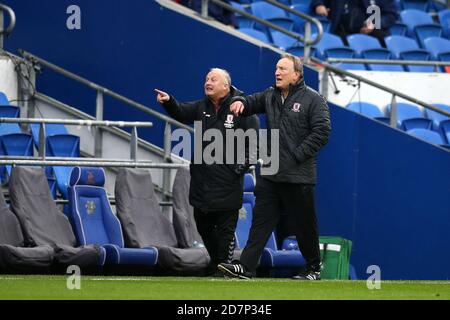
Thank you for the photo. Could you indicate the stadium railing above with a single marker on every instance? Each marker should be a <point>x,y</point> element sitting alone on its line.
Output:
<point>306,39</point>
<point>328,68</point>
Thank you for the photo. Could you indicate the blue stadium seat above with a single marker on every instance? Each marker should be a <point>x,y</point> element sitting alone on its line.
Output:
<point>404,48</point>
<point>255,34</point>
<point>283,22</point>
<point>3,99</point>
<point>441,123</point>
<point>52,185</point>
<point>244,22</point>
<point>398,29</point>
<point>266,11</point>
<point>438,118</point>
<point>420,25</point>
<point>368,109</point>
<point>332,45</point>
<point>362,42</point>
<point>243,225</point>
<point>438,47</point>
<point>421,5</point>
<point>249,187</point>
<point>427,135</point>
<point>245,214</point>
<point>444,19</point>
<point>13,143</point>
<point>410,117</point>
<point>302,6</point>
<point>282,40</point>
<point>298,21</point>
<point>435,6</point>
<point>59,143</point>
<point>299,50</point>
<point>445,125</point>
<point>238,6</point>
<point>368,47</point>
<point>95,223</point>
<point>7,111</point>
<point>274,257</point>
<point>306,2</point>
<point>381,54</point>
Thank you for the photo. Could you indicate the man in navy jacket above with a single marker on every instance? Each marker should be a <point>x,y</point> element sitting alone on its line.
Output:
<point>350,16</point>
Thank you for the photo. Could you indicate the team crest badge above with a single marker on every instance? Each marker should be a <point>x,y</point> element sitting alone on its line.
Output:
<point>296,107</point>
<point>229,123</point>
<point>90,207</point>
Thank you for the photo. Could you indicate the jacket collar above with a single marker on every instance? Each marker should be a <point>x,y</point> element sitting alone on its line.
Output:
<point>225,100</point>
<point>298,86</point>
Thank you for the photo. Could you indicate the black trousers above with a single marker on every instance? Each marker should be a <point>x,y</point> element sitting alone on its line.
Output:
<point>297,200</point>
<point>217,231</point>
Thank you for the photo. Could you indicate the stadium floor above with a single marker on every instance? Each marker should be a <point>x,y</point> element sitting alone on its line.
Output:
<point>183,288</point>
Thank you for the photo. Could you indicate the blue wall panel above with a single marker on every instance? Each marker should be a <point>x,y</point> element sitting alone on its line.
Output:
<point>133,47</point>
<point>389,193</point>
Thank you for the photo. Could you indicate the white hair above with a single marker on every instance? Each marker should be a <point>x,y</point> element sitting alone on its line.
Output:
<point>225,74</point>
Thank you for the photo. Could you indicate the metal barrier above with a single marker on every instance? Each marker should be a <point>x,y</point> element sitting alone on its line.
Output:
<point>393,116</point>
<point>42,135</point>
<point>306,39</point>
<point>435,64</point>
<point>12,23</point>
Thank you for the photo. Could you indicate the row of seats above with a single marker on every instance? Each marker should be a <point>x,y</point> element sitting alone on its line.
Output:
<point>424,5</point>
<point>416,37</point>
<point>92,235</point>
<point>413,23</point>
<point>429,125</point>
<point>58,143</point>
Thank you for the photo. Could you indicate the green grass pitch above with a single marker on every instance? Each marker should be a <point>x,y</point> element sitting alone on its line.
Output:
<point>183,288</point>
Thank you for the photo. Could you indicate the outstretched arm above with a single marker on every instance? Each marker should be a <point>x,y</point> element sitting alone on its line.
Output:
<point>183,112</point>
<point>249,105</point>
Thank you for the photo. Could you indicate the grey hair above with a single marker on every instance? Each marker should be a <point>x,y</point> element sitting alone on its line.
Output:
<point>298,65</point>
<point>225,73</point>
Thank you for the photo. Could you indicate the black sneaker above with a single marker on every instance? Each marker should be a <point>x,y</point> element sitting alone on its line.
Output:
<point>307,275</point>
<point>235,270</point>
<point>216,274</point>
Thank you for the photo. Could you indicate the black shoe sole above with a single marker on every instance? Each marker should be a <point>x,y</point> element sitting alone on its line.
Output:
<point>232,274</point>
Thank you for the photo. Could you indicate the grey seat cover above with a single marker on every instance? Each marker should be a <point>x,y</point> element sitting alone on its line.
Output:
<point>144,224</point>
<point>183,213</point>
<point>41,221</point>
<point>14,258</point>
